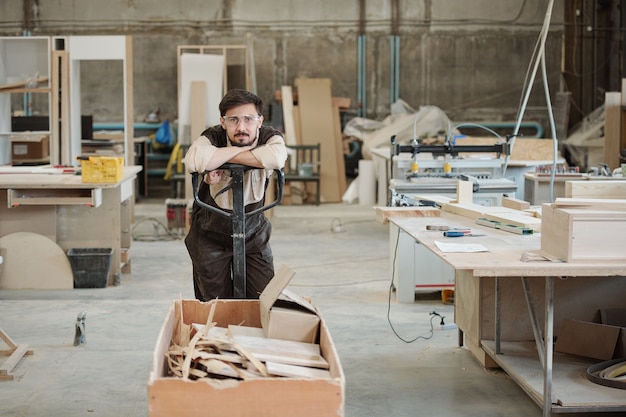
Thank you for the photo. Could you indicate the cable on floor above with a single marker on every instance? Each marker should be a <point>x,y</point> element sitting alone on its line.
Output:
<point>155,236</point>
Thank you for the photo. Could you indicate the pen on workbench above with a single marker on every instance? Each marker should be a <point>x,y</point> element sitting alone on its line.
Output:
<point>453,233</point>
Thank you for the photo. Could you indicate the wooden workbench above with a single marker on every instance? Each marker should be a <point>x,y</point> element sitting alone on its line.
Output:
<point>495,298</point>
<point>71,213</point>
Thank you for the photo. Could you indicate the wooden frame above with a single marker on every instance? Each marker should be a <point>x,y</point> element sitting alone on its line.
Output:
<point>221,50</point>
<point>83,48</point>
<point>15,353</point>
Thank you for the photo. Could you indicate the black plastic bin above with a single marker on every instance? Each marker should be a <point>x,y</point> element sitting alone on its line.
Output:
<point>90,266</point>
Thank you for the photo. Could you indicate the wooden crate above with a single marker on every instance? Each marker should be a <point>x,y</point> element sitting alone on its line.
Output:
<point>170,396</point>
<point>578,234</point>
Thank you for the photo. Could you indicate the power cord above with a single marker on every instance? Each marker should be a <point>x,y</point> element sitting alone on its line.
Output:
<point>392,288</point>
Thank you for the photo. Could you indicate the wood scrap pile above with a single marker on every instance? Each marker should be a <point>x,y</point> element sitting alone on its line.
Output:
<point>238,352</point>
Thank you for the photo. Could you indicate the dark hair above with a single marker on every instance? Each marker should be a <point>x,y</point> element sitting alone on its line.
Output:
<point>238,97</point>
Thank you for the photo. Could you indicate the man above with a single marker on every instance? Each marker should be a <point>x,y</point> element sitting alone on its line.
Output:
<point>240,138</point>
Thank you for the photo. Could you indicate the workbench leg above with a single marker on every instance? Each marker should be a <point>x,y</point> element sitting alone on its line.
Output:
<point>548,349</point>
<point>533,321</point>
<point>498,322</point>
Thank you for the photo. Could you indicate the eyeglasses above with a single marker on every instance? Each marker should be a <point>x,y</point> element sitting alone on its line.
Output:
<point>247,119</point>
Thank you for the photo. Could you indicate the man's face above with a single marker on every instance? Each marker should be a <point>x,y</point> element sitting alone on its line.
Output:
<point>242,124</point>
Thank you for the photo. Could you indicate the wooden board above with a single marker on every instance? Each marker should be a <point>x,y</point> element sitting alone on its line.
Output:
<point>292,371</point>
<point>21,84</point>
<point>500,214</point>
<point>339,155</point>
<point>288,115</point>
<point>612,129</point>
<point>34,262</point>
<point>282,351</point>
<point>15,354</point>
<point>384,213</point>
<point>570,387</point>
<point>523,149</point>
<point>595,189</point>
<point>317,126</point>
<point>592,203</point>
<point>515,204</point>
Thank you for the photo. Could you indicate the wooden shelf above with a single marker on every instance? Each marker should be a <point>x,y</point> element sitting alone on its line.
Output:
<point>27,90</point>
<point>51,196</point>
<point>572,392</point>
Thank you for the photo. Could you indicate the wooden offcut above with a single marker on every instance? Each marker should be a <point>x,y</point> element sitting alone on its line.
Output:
<point>464,192</point>
<point>383,214</point>
<point>515,203</point>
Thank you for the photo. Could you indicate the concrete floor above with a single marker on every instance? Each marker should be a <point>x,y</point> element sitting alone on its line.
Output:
<point>347,276</point>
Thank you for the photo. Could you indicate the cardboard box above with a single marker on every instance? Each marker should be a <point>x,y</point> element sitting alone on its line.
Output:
<point>572,234</point>
<point>284,314</point>
<point>616,317</point>
<point>591,340</point>
<point>30,147</point>
<point>170,396</point>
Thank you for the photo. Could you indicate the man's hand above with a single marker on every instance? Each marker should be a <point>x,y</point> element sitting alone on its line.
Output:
<point>213,177</point>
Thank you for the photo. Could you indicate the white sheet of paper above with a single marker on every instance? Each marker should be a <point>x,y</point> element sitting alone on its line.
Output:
<point>460,247</point>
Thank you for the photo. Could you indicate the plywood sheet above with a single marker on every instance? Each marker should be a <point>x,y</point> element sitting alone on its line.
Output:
<point>317,126</point>
<point>288,115</point>
<point>612,129</point>
<point>595,189</point>
<point>523,149</point>
<point>33,261</point>
<point>199,67</point>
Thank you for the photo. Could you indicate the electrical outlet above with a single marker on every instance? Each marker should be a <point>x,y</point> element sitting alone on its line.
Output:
<point>448,326</point>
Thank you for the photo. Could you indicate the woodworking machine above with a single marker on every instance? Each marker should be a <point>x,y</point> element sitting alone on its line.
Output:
<point>418,169</point>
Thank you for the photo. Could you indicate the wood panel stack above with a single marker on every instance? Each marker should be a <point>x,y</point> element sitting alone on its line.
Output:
<point>319,122</point>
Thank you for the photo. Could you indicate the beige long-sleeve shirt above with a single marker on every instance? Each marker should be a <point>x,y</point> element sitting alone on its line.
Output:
<point>272,155</point>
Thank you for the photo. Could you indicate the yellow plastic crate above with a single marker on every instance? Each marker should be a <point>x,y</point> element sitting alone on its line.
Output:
<point>99,169</point>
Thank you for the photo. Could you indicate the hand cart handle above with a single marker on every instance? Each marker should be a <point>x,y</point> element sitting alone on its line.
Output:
<point>237,169</point>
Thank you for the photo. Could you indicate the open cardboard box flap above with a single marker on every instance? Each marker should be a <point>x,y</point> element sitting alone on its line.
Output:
<point>286,315</point>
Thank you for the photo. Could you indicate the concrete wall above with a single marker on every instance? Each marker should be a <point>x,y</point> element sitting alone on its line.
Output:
<point>467,57</point>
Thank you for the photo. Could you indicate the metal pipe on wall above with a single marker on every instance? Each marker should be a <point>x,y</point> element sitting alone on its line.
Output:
<point>361,63</point>
<point>394,53</point>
